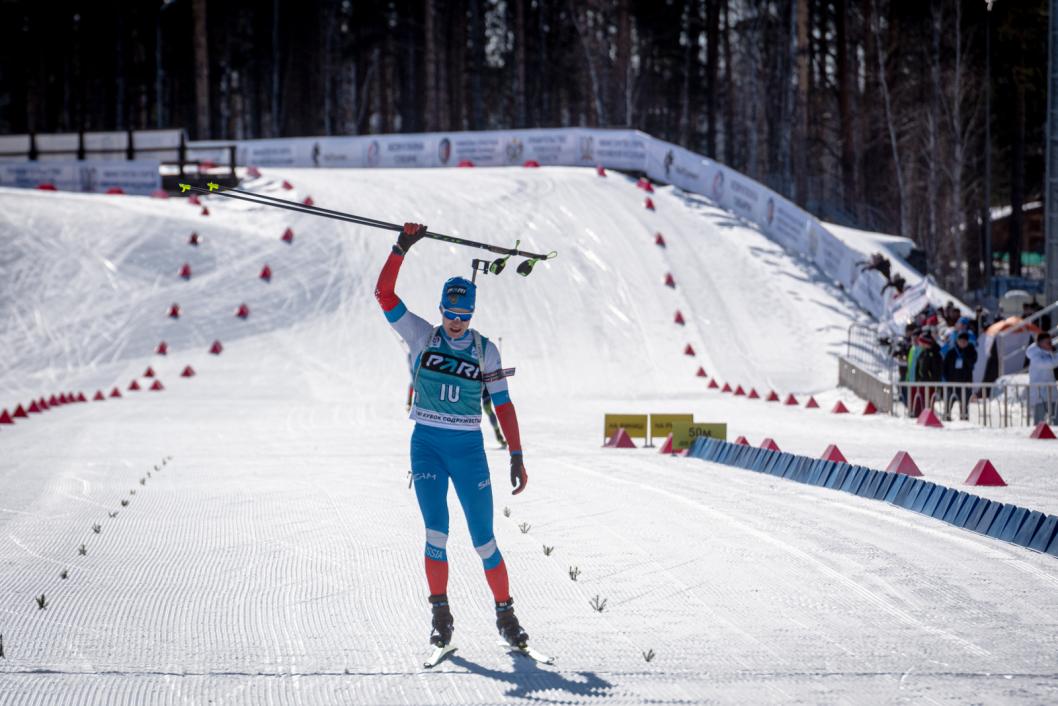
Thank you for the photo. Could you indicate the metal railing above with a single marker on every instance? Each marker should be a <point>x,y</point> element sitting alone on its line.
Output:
<point>999,404</point>
<point>868,350</point>
<point>866,384</point>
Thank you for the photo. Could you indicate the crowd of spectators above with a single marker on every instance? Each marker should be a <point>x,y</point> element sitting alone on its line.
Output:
<point>941,346</point>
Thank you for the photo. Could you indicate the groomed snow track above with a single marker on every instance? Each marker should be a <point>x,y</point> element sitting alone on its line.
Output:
<point>275,554</point>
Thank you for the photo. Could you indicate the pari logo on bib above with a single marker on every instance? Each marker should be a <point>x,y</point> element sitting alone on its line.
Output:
<point>458,293</point>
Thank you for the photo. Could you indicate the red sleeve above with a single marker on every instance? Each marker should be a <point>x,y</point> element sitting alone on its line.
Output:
<point>509,424</point>
<point>387,281</point>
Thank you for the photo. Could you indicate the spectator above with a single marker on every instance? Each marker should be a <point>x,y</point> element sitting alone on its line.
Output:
<point>961,326</point>
<point>929,367</point>
<point>951,313</point>
<point>959,364</point>
<point>1042,394</point>
<point>898,283</point>
<point>877,262</point>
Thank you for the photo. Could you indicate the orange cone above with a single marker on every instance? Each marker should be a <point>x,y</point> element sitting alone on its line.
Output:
<point>620,440</point>
<point>1042,431</point>
<point>928,418</point>
<point>903,463</point>
<point>984,473</point>
<point>833,453</point>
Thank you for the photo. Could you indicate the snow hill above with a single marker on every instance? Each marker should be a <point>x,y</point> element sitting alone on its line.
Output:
<point>276,553</point>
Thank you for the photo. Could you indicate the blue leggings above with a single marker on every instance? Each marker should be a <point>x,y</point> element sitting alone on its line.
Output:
<point>440,454</point>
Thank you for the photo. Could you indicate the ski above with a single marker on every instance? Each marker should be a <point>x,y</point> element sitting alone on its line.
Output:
<point>438,655</point>
<point>527,651</point>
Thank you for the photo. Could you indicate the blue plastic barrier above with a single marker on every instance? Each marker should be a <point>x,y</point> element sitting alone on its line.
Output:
<point>1010,523</point>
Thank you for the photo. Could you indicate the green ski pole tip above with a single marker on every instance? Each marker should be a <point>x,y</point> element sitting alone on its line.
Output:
<point>212,186</point>
<point>185,188</point>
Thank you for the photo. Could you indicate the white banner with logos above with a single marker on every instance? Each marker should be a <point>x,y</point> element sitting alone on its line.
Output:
<point>780,219</point>
<point>89,176</point>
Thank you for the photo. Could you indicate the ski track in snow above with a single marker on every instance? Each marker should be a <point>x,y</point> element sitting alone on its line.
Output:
<point>277,557</point>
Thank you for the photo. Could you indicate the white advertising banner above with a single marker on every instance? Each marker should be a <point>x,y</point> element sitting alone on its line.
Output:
<point>89,176</point>
<point>780,219</point>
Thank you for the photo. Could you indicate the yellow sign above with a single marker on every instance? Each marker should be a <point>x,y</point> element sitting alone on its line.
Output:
<point>683,433</point>
<point>661,424</point>
<point>634,424</point>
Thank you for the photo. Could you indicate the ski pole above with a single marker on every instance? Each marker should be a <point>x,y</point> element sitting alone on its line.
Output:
<point>523,268</point>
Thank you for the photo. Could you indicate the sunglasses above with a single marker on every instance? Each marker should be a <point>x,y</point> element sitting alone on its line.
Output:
<point>453,315</point>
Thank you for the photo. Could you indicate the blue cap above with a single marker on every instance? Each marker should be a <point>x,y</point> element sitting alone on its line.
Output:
<point>458,293</point>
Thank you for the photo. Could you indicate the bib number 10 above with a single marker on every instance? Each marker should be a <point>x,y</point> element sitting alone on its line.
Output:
<point>449,392</point>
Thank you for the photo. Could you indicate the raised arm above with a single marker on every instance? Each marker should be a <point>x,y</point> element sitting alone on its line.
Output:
<point>410,327</point>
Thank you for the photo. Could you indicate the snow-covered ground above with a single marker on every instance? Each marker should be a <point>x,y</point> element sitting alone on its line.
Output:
<point>277,556</point>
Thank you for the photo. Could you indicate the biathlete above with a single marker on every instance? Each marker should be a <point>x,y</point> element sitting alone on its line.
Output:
<point>447,364</point>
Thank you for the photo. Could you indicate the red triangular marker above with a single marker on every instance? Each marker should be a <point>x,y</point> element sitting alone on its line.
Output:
<point>216,348</point>
<point>134,385</point>
<point>701,373</point>
<point>288,235</point>
<point>928,419</point>
<point>659,239</point>
<point>833,453</point>
<point>769,444</point>
<point>205,211</point>
<point>870,408</point>
<point>99,396</point>
<point>149,372</point>
<point>53,401</point>
<point>790,400</point>
<point>33,408</point>
<point>772,397</point>
<point>666,448</point>
<point>649,204</point>
<point>679,318</point>
<point>600,170</point>
<point>308,201</point>
<point>620,440</point>
<point>193,200</point>
<point>287,185</point>
<point>243,311</point>
<point>811,403</point>
<point>162,349</point>
<point>669,281</point>
<point>726,388</point>
<point>742,441</point>
<point>115,392</point>
<point>839,408</point>
<point>903,463</point>
<point>739,392</point>
<point>753,394</point>
<point>713,385</point>
<point>174,311</point>
<point>5,418</point>
<point>44,404</point>
<point>185,271</point>
<point>193,240</point>
<point>1042,431</point>
<point>266,273</point>
<point>157,385</point>
<point>81,397</point>
<point>188,372</point>
<point>20,413</point>
<point>688,350</point>
<point>984,473</point>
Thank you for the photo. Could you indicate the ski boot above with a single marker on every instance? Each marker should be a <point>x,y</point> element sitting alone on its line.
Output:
<point>507,624</point>
<point>441,633</point>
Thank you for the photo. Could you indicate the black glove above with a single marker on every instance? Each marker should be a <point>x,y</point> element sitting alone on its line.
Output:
<point>518,475</point>
<point>412,233</point>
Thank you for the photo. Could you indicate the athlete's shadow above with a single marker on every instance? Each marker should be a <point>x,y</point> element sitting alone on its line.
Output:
<point>528,677</point>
